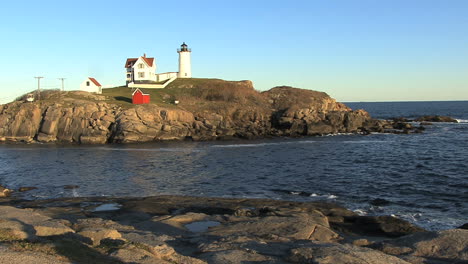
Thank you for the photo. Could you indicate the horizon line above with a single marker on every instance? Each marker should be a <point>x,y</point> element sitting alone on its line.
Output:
<point>404,101</point>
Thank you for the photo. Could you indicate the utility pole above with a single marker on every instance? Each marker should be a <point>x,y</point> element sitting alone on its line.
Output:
<point>63,87</point>
<point>39,86</point>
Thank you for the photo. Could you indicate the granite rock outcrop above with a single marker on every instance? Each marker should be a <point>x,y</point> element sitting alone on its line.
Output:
<point>205,114</point>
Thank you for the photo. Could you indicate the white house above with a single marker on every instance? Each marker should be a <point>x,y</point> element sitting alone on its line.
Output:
<point>141,71</point>
<point>91,85</point>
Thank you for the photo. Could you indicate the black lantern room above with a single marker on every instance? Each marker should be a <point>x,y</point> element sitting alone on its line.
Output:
<point>183,47</point>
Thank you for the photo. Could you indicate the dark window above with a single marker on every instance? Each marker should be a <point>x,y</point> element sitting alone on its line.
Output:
<point>87,83</point>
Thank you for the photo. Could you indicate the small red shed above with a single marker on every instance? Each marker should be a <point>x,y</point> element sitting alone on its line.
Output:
<point>138,97</point>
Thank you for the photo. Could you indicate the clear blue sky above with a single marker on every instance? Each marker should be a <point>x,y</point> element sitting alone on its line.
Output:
<point>362,50</point>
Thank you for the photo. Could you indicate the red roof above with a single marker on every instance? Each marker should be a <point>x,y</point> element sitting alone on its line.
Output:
<point>138,91</point>
<point>131,61</point>
<point>94,81</point>
<point>149,61</point>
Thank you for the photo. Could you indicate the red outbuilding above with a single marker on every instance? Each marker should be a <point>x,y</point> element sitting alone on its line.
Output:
<point>138,97</point>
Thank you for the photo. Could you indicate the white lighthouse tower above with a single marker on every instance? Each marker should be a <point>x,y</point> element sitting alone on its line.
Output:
<point>185,66</point>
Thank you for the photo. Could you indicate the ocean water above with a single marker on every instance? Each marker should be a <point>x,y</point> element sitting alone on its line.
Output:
<point>422,178</point>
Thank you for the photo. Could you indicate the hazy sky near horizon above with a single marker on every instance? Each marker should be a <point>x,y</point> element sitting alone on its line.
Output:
<point>355,50</point>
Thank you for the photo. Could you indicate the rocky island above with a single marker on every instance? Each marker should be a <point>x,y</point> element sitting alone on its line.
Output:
<point>206,109</point>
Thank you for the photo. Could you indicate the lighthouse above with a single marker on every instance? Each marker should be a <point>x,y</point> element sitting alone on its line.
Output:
<point>185,66</point>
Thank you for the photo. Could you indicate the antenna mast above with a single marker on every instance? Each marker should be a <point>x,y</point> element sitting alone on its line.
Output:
<point>39,86</point>
<point>63,87</point>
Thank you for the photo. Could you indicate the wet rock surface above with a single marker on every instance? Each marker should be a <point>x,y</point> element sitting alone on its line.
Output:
<point>158,230</point>
<point>4,192</point>
<point>436,118</point>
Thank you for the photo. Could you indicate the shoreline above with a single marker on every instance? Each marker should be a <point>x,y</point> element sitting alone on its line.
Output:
<point>395,125</point>
<point>403,128</point>
<point>20,196</point>
<point>185,229</point>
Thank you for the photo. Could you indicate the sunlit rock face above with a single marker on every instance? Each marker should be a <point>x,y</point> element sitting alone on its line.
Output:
<point>215,109</point>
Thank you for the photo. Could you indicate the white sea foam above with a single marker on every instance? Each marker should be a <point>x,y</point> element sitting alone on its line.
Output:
<point>462,120</point>
<point>364,142</point>
<point>360,212</point>
<point>253,145</point>
<point>244,145</point>
<point>326,196</point>
<point>153,149</point>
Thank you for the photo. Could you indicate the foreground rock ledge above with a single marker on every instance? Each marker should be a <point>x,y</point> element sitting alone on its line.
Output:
<point>177,229</point>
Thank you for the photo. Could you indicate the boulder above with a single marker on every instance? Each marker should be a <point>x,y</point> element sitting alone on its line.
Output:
<point>237,256</point>
<point>448,246</point>
<point>44,138</point>
<point>361,242</point>
<point>26,216</point>
<point>313,226</point>
<point>31,224</point>
<point>401,125</point>
<point>383,226</point>
<point>436,118</point>
<point>14,230</point>
<point>354,120</point>
<point>25,123</point>
<point>99,223</point>
<point>98,234</point>
<point>179,221</point>
<point>165,252</point>
<point>133,254</point>
<point>340,254</point>
<point>320,128</point>
<point>4,192</point>
<point>25,189</point>
<point>98,139</point>
<point>425,124</point>
<point>52,227</point>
